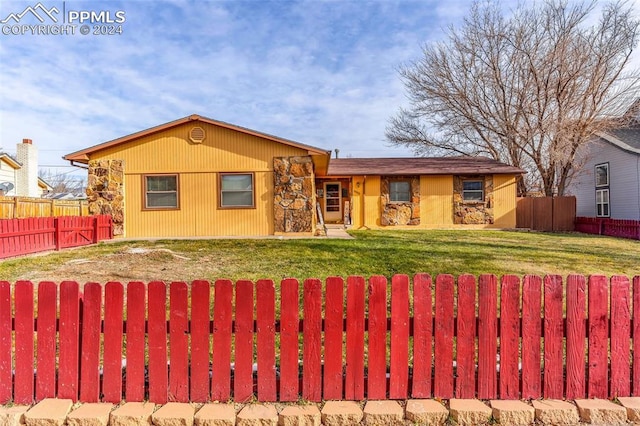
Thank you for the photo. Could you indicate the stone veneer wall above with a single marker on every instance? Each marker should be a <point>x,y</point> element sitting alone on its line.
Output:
<point>400,213</point>
<point>105,191</point>
<point>294,194</point>
<point>471,212</point>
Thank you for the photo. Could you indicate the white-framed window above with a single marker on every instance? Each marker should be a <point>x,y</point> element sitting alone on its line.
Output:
<point>400,191</point>
<point>602,175</point>
<point>160,192</point>
<point>603,208</point>
<point>473,190</point>
<point>236,191</point>
<point>602,203</point>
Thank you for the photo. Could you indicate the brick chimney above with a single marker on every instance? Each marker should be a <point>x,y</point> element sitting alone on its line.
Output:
<point>27,175</point>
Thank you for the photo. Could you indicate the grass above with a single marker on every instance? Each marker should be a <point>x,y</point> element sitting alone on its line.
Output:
<point>370,253</point>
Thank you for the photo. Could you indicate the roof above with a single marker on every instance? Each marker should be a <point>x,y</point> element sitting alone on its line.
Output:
<point>10,160</point>
<point>626,138</point>
<point>82,156</point>
<point>419,166</point>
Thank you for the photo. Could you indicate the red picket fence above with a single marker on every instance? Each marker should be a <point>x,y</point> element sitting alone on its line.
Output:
<point>343,341</point>
<point>36,234</point>
<point>612,227</point>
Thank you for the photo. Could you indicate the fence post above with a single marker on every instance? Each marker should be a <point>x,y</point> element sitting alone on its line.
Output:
<point>95,223</point>
<point>58,232</point>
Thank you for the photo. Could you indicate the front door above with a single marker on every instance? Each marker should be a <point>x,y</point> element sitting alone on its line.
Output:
<point>332,202</point>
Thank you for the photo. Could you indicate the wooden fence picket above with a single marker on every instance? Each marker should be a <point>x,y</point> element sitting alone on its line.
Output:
<point>312,341</point>
<point>487,336</point>
<point>69,336</point>
<point>289,340</point>
<point>200,347</point>
<point>178,342</point>
<point>576,334</point>
<point>90,349</point>
<point>6,375</point>
<point>509,337</point>
<point>399,362</point>
<point>354,374</point>
<point>531,335</point>
<point>24,335</point>
<point>46,332</point>
<point>466,338</point>
<point>222,333</point>
<point>157,340</point>
<point>422,336</point>
<point>136,305</point>
<point>443,341</point>
<point>635,370</point>
<point>334,318</point>
<point>553,334</point>
<point>113,338</point>
<point>377,348</point>
<point>243,372</point>
<point>266,339</point>
<point>620,343</point>
<point>598,337</point>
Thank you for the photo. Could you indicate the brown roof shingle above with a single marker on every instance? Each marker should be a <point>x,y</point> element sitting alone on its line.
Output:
<point>419,166</point>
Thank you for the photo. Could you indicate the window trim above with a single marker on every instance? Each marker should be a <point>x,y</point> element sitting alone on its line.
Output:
<point>407,181</point>
<point>145,206</point>
<point>481,191</point>
<point>253,190</point>
<point>608,203</point>
<point>603,185</point>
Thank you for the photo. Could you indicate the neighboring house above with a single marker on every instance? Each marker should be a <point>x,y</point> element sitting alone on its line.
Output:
<point>21,173</point>
<point>200,177</point>
<point>609,182</point>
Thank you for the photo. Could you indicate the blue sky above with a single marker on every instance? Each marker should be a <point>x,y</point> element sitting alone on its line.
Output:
<point>323,73</point>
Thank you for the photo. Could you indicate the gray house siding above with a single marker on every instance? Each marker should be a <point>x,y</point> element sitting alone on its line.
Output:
<point>624,181</point>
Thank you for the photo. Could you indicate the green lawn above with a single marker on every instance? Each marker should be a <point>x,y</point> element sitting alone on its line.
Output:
<point>371,252</point>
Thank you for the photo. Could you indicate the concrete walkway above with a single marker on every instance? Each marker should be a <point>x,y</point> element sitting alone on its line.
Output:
<point>59,412</point>
<point>337,231</point>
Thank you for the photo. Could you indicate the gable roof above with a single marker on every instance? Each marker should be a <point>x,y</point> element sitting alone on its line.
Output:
<point>626,138</point>
<point>419,166</point>
<point>82,156</point>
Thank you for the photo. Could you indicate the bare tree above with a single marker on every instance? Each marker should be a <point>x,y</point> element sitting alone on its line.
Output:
<point>528,89</point>
<point>63,182</point>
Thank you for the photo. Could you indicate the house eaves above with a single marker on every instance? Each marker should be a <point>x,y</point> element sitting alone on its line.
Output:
<point>617,142</point>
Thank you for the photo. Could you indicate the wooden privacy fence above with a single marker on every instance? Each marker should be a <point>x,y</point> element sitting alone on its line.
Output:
<point>546,213</point>
<point>606,226</point>
<point>21,207</point>
<point>36,234</point>
<point>483,338</point>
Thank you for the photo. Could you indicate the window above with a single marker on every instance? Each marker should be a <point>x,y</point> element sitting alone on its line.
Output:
<point>602,203</point>
<point>473,190</point>
<point>400,191</point>
<point>236,190</point>
<point>160,191</point>
<point>602,175</point>
<point>602,190</point>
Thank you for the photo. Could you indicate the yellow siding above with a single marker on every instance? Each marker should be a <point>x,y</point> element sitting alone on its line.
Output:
<point>436,201</point>
<point>357,197</point>
<point>504,197</point>
<point>371,201</point>
<point>198,165</point>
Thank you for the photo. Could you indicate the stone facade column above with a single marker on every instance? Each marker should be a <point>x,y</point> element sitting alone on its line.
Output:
<point>294,194</point>
<point>105,191</point>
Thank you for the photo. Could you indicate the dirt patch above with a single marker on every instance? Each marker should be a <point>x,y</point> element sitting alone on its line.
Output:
<point>130,264</point>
